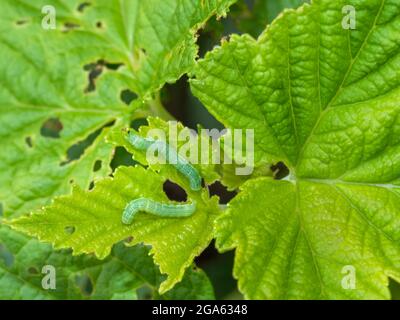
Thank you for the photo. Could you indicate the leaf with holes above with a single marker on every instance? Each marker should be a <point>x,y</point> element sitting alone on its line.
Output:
<point>324,99</point>
<point>61,88</point>
<point>122,275</point>
<point>90,222</point>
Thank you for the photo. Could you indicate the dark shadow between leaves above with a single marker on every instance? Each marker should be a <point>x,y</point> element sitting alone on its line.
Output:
<point>76,151</point>
<point>85,284</point>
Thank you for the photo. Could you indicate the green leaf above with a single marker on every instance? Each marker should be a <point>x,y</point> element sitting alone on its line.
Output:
<point>325,101</point>
<point>77,74</point>
<point>120,276</point>
<point>90,222</point>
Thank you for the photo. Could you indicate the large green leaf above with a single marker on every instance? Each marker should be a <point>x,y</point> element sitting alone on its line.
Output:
<point>126,270</point>
<point>90,222</point>
<point>77,74</point>
<point>325,101</point>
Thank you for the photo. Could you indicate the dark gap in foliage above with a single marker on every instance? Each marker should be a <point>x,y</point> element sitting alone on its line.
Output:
<point>83,6</point>
<point>69,230</point>
<point>127,96</point>
<point>174,98</point>
<point>218,189</point>
<point>1,209</point>
<point>214,32</point>
<point>68,26</point>
<point>28,141</point>
<point>91,185</point>
<point>33,270</point>
<point>97,165</point>
<point>139,122</point>
<point>21,22</point>
<point>110,65</point>
<point>394,288</point>
<point>280,170</point>
<point>78,149</point>
<point>85,284</point>
<point>95,70</point>
<point>218,268</point>
<point>145,293</point>
<point>121,158</point>
<point>71,181</point>
<point>99,24</point>
<point>180,102</point>
<point>174,191</point>
<point>51,128</point>
<point>6,256</point>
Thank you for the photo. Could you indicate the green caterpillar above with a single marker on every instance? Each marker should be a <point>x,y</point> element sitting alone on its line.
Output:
<point>156,208</point>
<point>166,151</point>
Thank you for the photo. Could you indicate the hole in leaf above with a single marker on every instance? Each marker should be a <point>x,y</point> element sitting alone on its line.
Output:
<point>83,6</point>
<point>137,123</point>
<point>84,283</point>
<point>121,158</point>
<point>78,149</point>
<point>6,256</point>
<point>99,24</point>
<point>97,165</point>
<point>33,270</point>
<point>280,170</point>
<point>112,66</point>
<point>127,96</point>
<point>129,240</point>
<point>28,141</point>
<point>91,185</point>
<point>21,22</point>
<point>174,192</point>
<point>218,189</point>
<point>68,26</point>
<point>95,70</point>
<point>69,230</point>
<point>51,128</point>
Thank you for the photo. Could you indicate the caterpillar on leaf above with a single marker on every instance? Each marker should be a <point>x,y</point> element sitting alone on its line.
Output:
<point>168,153</point>
<point>156,208</point>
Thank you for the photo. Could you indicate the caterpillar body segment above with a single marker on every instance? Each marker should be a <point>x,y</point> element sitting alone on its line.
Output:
<point>172,157</point>
<point>156,208</point>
